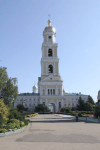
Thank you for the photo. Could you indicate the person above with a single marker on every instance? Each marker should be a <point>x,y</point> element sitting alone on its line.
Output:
<point>76,116</point>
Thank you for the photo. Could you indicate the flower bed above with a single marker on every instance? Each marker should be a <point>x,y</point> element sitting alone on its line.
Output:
<point>32,115</point>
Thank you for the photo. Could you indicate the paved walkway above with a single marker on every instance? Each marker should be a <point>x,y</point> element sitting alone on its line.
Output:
<point>50,132</point>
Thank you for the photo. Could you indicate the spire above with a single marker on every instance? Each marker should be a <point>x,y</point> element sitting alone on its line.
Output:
<point>49,21</point>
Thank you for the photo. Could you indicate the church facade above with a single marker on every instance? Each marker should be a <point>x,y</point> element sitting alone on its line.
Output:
<point>50,84</point>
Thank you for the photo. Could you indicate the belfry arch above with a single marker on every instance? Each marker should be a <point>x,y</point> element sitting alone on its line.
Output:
<point>50,68</point>
<point>50,54</point>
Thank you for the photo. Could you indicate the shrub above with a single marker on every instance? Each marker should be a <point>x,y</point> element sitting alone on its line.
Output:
<point>3,130</point>
<point>3,110</point>
<point>20,107</point>
<point>13,113</point>
<point>11,125</point>
<point>17,125</point>
<point>1,120</point>
<point>80,114</point>
<point>19,117</point>
<point>41,108</point>
<point>14,121</point>
<point>22,123</point>
<point>21,111</point>
<point>26,121</point>
<point>73,109</point>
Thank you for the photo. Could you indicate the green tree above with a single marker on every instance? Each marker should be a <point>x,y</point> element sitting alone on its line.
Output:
<point>90,100</point>
<point>97,111</point>
<point>41,108</point>
<point>81,104</point>
<point>3,77</point>
<point>21,107</point>
<point>88,106</point>
<point>65,109</point>
<point>9,92</point>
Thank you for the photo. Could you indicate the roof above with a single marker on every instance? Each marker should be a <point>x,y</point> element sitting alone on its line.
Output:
<point>29,94</point>
<point>71,94</point>
<point>49,29</point>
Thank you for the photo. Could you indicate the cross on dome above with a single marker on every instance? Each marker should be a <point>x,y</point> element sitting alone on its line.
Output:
<point>49,21</point>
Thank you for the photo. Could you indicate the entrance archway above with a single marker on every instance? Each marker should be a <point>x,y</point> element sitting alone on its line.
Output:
<point>52,107</point>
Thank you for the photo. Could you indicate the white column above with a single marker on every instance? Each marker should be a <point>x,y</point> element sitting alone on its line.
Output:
<point>46,51</point>
<point>62,103</point>
<point>40,90</point>
<point>46,89</point>
<point>57,106</point>
<point>58,67</point>
<point>42,68</point>
<point>47,38</point>
<point>56,89</point>
<point>54,68</point>
<point>53,52</point>
<point>40,101</point>
<point>43,52</point>
<point>46,68</point>
<point>61,90</point>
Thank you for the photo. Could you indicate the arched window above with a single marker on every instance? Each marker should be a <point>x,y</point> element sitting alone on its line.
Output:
<point>50,53</point>
<point>50,69</point>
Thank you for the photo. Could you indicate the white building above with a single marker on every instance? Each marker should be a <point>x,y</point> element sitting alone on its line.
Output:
<point>50,84</point>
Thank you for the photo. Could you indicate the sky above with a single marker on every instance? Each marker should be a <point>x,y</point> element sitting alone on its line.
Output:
<point>77,24</point>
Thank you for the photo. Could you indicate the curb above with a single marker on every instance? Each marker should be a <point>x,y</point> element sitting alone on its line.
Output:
<point>12,132</point>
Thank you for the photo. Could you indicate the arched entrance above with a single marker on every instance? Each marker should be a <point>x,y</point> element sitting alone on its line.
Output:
<point>52,107</point>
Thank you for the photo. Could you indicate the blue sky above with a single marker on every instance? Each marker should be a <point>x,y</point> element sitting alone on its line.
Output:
<point>77,23</point>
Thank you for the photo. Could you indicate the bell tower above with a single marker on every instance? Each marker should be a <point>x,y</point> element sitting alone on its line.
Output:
<point>50,77</point>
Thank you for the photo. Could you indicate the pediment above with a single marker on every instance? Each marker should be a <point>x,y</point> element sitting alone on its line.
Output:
<point>51,78</point>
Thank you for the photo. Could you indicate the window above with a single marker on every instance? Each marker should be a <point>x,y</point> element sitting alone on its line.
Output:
<point>43,91</point>
<point>54,91</point>
<point>50,53</point>
<point>30,104</point>
<point>69,104</point>
<point>48,91</point>
<point>59,104</point>
<point>58,91</point>
<point>50,69</point>
<point>49,37</point>
<point>65,104</point>
<point>25,104</point>
<point>51,91</point>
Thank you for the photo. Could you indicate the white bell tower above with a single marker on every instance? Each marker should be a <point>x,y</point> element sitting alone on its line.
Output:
<point>50,64</point>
